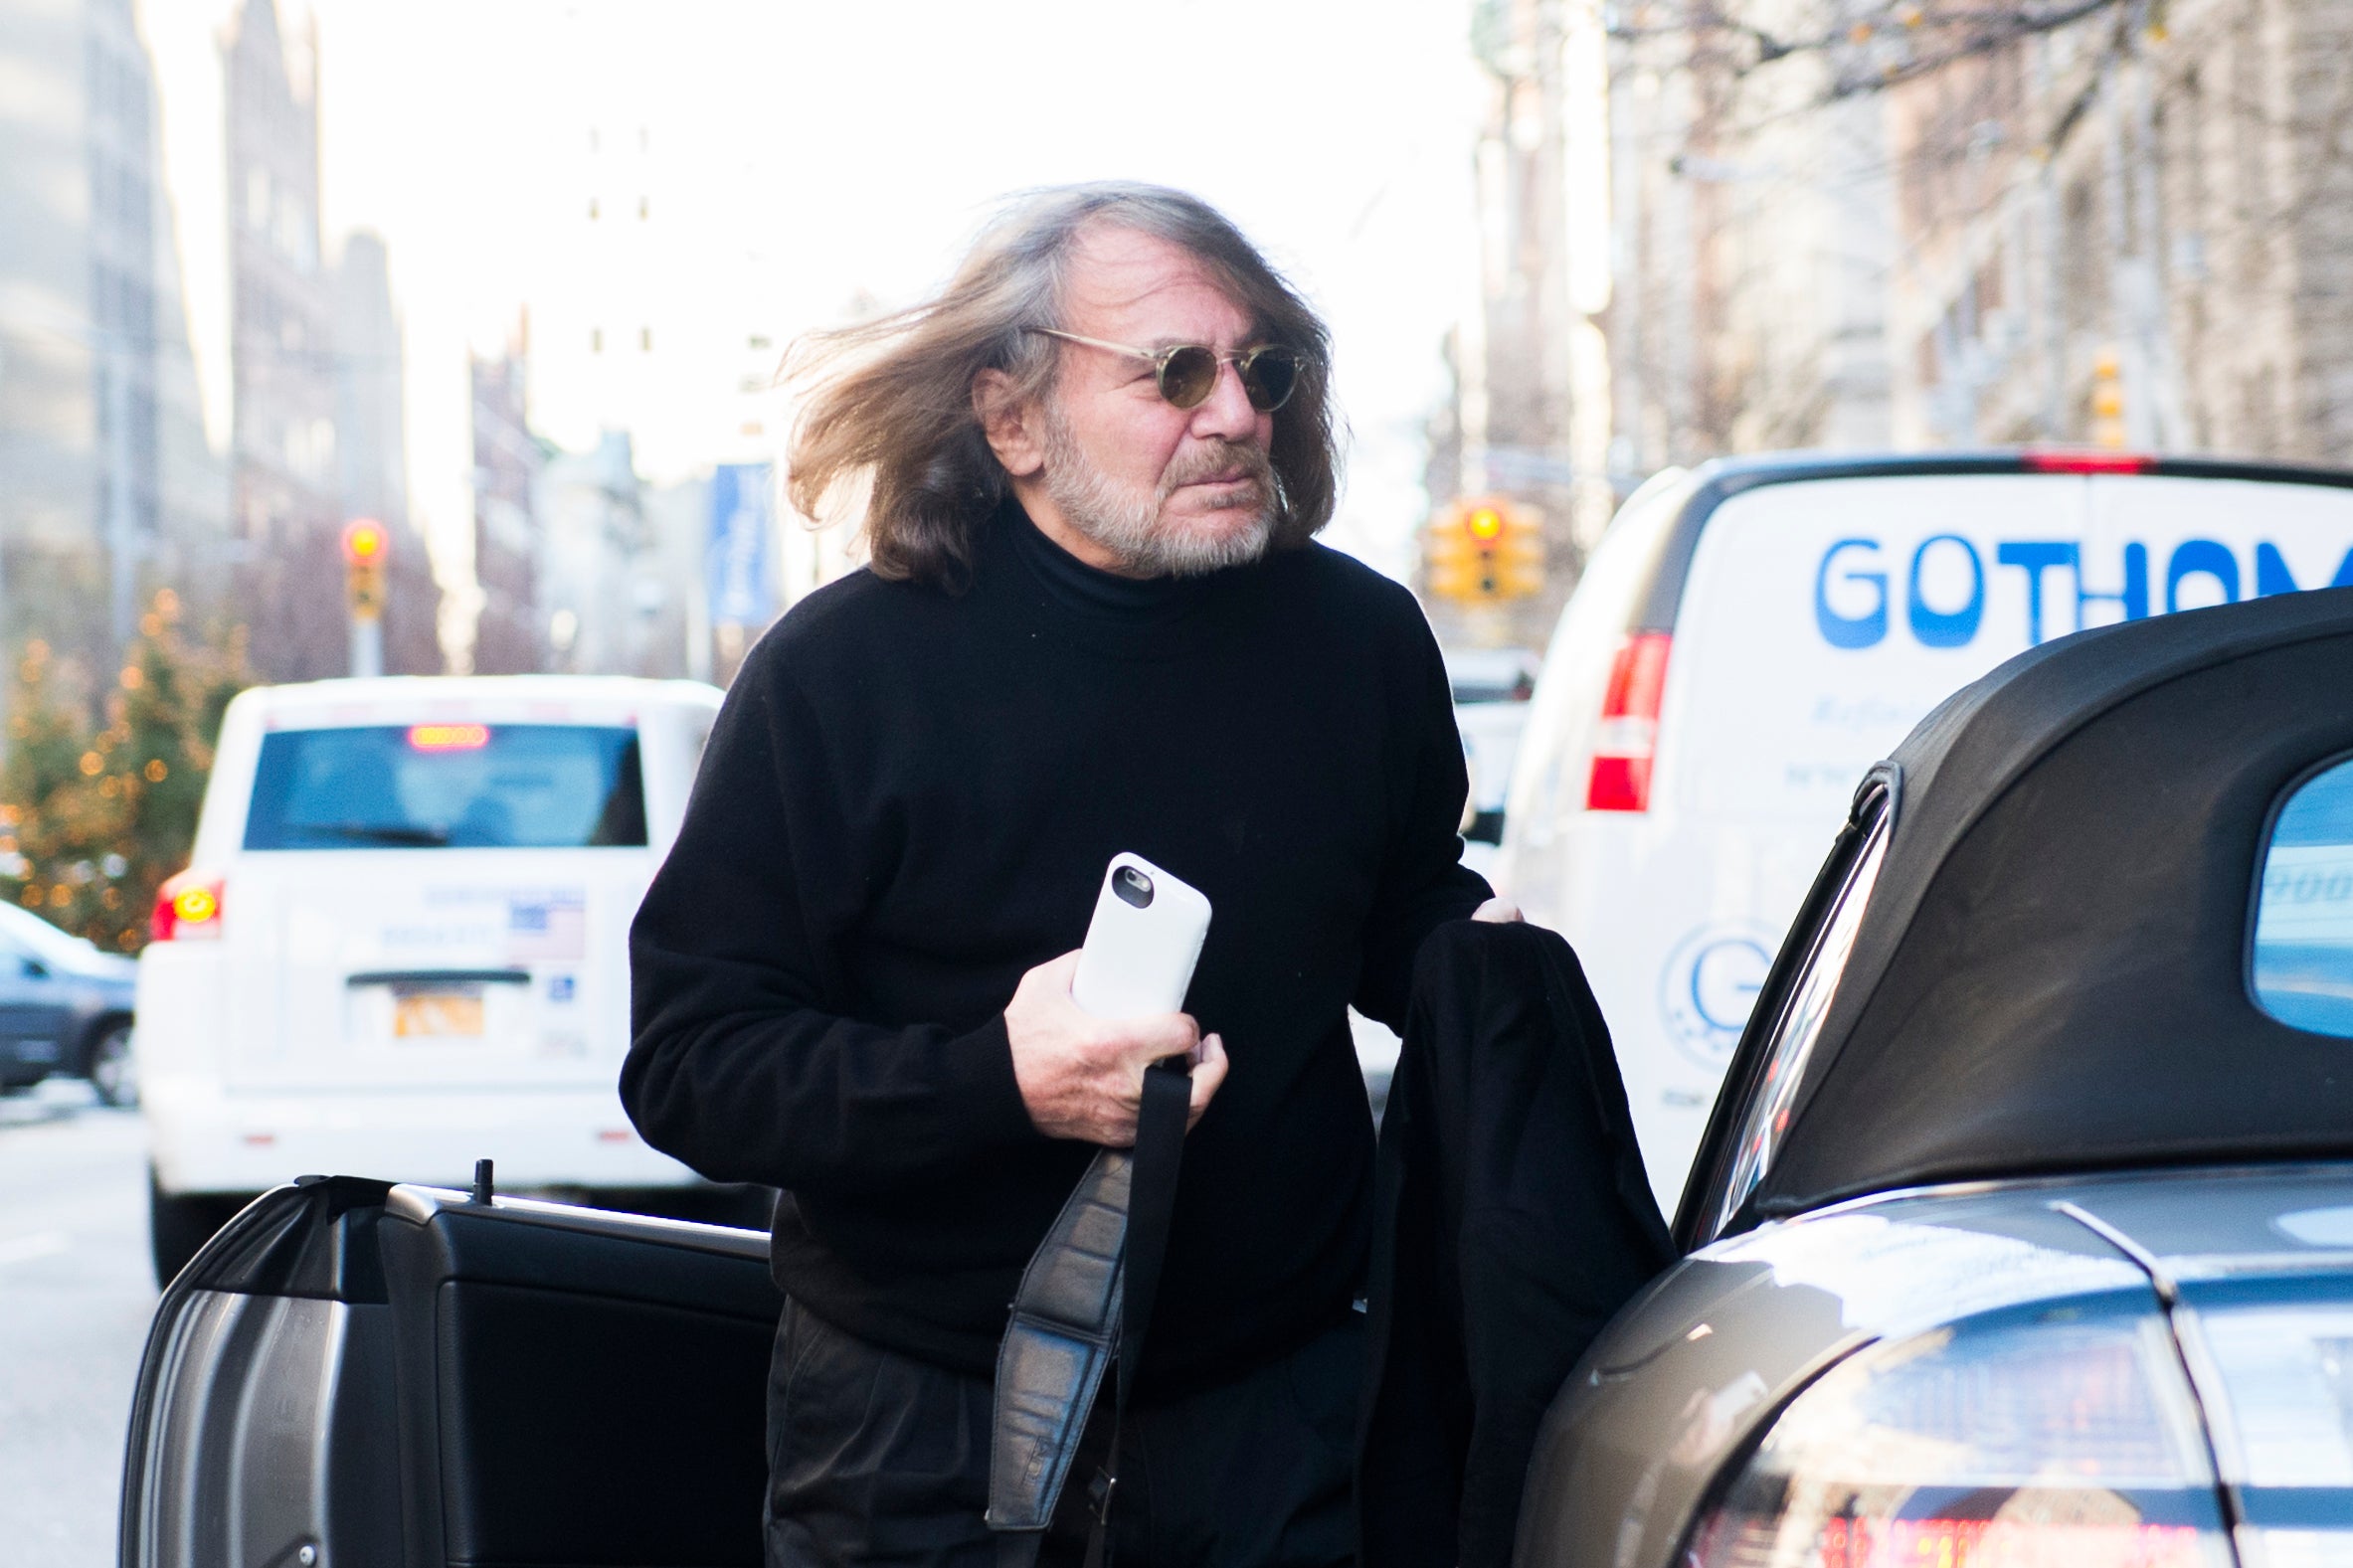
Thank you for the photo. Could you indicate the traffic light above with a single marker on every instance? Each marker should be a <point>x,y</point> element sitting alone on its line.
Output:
<point>2107,401</point>
<point>1485,549</point>
<point>365,545</point>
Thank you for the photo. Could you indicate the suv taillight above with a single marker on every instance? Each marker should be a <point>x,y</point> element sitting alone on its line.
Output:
<point>187,909</point>
<point>1629,733</point>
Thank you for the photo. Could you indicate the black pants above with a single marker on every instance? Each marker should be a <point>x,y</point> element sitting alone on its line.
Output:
<point>874,1458</point>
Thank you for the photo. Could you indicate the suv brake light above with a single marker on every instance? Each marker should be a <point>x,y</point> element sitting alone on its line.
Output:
<point>2088,461</point>
<point>187,909</point>
<point>1628,738</point>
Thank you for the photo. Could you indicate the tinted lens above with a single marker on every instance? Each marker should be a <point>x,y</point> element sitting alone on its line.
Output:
<point>1187,376</point>
<point>1270,376</point>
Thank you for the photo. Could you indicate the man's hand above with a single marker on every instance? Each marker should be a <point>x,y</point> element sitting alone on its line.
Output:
<point>1082,1077</point>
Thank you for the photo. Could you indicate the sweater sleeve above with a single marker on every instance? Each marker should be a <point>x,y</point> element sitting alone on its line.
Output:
<point>1423,882</point>
<point>740,1064</point>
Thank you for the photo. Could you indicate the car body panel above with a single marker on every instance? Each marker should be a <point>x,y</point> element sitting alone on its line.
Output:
<point>1690,1375</point>
<point>410,1377</point>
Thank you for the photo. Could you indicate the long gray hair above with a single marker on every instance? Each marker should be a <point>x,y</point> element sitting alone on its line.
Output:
<point>892,398</point>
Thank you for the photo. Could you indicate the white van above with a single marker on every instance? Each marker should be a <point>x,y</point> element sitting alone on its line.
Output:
<point>402,942</point>
<point>1751,636</point>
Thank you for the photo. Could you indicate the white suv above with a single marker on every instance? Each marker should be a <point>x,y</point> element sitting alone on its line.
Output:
<point>402,944</point>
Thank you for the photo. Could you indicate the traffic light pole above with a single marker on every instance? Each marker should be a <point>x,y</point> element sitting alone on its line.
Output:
<point>366,645</point>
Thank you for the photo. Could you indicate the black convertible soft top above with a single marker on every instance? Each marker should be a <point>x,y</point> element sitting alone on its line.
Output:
<point>2051,970</point>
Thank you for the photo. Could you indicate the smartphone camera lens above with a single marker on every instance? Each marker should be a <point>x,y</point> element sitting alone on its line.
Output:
<point>1133,887</point>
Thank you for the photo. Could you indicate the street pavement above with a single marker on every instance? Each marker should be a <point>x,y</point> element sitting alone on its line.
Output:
<point>74,1298</point>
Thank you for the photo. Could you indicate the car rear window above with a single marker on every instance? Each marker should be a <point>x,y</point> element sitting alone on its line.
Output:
<point>2304,923</point>
<point>455,786</point>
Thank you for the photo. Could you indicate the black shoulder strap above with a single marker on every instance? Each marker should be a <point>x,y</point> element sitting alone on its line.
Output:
<point>1152,1199</point>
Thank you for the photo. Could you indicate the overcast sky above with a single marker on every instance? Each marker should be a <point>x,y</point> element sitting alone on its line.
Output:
<point>807,151</point>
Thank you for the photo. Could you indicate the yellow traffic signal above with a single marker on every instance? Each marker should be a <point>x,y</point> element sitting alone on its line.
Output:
<point>2107,401</point>
<point>1483,550</point>
<point>365,545</point>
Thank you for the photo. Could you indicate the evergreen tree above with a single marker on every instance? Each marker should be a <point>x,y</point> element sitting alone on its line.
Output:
<point>95,817</point>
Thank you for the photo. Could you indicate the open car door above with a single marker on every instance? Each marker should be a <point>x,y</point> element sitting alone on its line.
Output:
<point>354,1374</point>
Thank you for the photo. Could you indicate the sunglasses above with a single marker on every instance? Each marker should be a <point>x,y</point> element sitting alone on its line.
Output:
<point>1188,372</point>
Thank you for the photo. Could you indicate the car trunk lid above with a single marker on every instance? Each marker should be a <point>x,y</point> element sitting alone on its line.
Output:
<point>2261,1264</point>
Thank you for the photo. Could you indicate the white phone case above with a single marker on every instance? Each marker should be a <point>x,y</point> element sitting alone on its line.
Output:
<point>1143,942</point>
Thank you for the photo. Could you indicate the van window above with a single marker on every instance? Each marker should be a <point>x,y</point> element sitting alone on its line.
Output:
<point>448,787</point>
<point>2304,923</point>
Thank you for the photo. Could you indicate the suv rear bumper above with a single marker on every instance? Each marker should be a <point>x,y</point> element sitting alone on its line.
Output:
<point>204,1139</point>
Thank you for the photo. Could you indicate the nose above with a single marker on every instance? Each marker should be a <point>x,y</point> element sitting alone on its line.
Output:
<point>1226,411</point>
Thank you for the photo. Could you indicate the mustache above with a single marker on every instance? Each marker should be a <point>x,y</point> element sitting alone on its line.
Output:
<point>1215,457</point>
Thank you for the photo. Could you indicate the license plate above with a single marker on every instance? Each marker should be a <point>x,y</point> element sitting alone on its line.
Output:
<point>417,1015</point>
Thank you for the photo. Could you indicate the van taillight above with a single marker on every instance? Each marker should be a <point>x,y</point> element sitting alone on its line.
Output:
<point>187,909</point>
<point>1628,737</point>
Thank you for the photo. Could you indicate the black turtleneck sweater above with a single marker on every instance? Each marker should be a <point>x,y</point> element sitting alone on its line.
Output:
<point>910,798</point>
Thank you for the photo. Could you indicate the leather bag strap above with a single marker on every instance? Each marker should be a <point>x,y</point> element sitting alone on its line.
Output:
<point>1085,1302</point>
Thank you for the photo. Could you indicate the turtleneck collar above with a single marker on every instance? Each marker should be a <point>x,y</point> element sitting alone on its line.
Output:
<point>1081,587</point>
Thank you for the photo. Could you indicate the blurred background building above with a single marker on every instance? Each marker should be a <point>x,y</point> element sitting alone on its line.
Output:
<point>1857,224</point>
<point>106,477</point>
<point>1688,229</point>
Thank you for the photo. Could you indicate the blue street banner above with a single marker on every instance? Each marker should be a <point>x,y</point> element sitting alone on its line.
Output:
<point>736,560</point>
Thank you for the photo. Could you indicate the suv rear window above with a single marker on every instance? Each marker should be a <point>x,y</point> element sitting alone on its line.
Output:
<point>2303,920</point>
<point>448,787</point>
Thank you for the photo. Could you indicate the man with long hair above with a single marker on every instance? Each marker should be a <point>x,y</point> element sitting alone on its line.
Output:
<point>1094,619</point>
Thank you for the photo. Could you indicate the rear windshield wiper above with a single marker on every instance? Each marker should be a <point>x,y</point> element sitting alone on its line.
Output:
<point>375,833</point>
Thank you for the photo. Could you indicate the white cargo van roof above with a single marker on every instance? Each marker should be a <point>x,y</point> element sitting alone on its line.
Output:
<point>1709,486</point>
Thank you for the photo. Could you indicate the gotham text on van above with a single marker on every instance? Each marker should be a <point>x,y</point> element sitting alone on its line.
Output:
<point>1859,571</point>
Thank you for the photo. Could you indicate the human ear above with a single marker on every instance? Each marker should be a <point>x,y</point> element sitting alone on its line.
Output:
<point>1008,420</point>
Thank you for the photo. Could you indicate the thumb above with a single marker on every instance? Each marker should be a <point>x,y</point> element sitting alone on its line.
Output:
<point>1207,1073</point>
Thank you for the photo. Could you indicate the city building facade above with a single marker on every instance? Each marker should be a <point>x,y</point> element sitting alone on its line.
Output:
<point>2134,231</point>
<point>506,632</point>
<point>106,481</point>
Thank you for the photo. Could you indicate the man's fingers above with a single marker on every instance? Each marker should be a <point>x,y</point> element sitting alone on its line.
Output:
<point>1144,1041</point>
<point>1207,1073</point>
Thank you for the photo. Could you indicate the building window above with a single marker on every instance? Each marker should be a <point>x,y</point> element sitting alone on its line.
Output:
<point>643,205</point>
<point>592,208</point>
<point>596,340</point>
<point>645,340</point>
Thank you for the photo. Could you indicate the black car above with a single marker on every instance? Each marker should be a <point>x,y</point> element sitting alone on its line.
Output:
<point>2022,1235</point>
<point>64,1007</point>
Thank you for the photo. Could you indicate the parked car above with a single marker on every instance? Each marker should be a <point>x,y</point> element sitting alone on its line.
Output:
<point>1749,637</point>
<point>2022,1234</point>
<point>403,940</point>
<point>64,1007</point>
<point>2023,1230</point>
<point>1492,688</point>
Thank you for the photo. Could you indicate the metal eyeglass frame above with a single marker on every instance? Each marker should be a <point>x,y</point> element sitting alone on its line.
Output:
<point>1240,358</point>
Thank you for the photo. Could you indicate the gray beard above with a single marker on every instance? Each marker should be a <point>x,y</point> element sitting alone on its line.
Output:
<point>1129,524</point>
